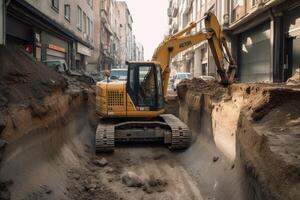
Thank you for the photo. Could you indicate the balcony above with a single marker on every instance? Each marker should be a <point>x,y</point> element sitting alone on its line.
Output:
<point>174,11</point>
<point>187,6</point>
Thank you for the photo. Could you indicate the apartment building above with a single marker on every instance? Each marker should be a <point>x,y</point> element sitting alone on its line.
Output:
<point>197,60</point>
<point>56,29</point>
<point>107,30</point>
<point>116,37</point>
<point>263,36</point>
<point>114,41</point>
<point>139,52</point>
<point>266,39</point>
<point>126,45</point>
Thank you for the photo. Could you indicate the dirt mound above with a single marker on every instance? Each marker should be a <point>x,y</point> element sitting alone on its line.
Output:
<point>22,78</point>
<point>213,88</point>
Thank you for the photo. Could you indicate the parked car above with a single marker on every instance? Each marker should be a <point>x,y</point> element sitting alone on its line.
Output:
<point>118,74</point>
<point>61,66</point>
<point>179,77</point>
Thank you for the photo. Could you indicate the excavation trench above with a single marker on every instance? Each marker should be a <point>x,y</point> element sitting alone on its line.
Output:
<point>56,160</point>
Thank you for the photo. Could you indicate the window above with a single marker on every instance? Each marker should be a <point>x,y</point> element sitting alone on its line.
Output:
<point>237,3</point>
<point>254,2</point>
<point>55,5</point>
<point>88,26</point>
<point>90,2</point>
<point>84,23</point>
<point>67,12</point>
<point>79,18</point>
<point>91,26</point>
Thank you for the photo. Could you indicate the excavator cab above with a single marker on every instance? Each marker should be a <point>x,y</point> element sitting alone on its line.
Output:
<point>145,86</point>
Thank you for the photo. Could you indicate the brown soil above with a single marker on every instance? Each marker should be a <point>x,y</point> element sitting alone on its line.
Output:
<point>23,79</point>
<point>197,85</point>
<point>260,123</point>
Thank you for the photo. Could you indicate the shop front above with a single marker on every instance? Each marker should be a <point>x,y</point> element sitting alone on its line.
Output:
<point>54,48</point>
<point>81,56</point>
<point>292,41</point>
<point>17,32</point>
<point>255,54</point>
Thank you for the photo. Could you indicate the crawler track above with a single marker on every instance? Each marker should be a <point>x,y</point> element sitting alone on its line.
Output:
<point>175,133</point>
<point>181,134</point>
<point>105,138</point>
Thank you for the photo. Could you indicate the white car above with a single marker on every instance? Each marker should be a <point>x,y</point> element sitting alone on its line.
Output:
<point>118,74</point>
<point>179,77</point>
<point>59,65</point>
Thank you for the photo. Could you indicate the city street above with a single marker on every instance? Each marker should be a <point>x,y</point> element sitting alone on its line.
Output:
<point>149,100</point>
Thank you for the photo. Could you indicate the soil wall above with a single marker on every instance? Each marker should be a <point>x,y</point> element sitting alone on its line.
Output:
<point>250,125</point>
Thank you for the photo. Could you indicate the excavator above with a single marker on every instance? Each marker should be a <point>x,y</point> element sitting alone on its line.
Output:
<point>132,110</point>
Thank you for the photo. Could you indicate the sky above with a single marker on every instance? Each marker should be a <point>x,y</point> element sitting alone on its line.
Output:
<point>150,23</point>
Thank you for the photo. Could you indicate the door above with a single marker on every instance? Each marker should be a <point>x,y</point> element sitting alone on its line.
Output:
<point>144,86</point>
<point>255,55</point>
<point>292,56</point>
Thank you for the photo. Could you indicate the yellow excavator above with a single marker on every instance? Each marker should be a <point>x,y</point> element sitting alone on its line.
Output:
<point>133,110</point>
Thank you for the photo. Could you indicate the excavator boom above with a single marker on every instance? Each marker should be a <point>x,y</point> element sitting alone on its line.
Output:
<point>182,41</point>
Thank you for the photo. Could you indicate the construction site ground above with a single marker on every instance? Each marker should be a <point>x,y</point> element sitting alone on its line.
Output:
<point>245,141</point>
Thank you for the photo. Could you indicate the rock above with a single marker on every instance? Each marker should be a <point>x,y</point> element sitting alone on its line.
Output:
<point>147,189</point>
<point>215,158</point>
<point>110,180</point>
<point>294,122</point>
<point>46,189</point>
<point>2,144</point>
<point>76,176</point>
<point>295,79</point>
<point>4,190</point>
<point>38,110</point>
<point>160,189</point>
<point>2,123</point>
<point>92,186</point>
<point>109,170</point>
<point>131,179</point>
<point>101,163</point>
<point>152,181</point>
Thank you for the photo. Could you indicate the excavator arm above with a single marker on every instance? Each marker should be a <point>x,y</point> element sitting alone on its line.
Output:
<point>180,41</point>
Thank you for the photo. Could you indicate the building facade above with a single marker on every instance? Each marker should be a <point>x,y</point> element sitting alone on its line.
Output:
<point>126,33</point>
<point>263,36</point>
<point>52,30</point>
<point>139,52</point>
<point>114,41</point>
<point>266,39</point>
<point>198,60</point>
